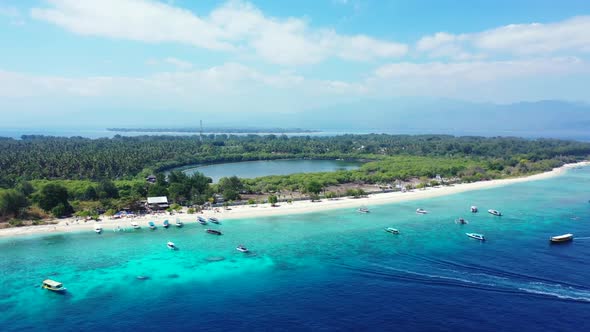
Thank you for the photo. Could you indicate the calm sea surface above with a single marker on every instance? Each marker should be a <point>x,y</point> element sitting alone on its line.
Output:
<point>336,270</point>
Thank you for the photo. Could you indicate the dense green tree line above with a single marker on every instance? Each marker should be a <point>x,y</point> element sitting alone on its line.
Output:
<point>65,175</point>
<point>38,157</point>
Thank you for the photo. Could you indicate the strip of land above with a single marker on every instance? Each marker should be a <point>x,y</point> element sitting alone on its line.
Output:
<point>297,207</point>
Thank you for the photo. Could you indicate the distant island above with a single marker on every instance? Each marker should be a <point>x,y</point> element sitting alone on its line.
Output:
<point>217,130</point>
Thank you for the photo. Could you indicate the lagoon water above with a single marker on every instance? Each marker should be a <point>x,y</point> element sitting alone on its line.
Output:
<point>336,270</point>
<point>253,169</point>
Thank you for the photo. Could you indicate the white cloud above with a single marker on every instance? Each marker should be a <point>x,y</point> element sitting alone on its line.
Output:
<point>473,80</point>
<point>570,35</point>
<point>141,20</point>
<point>180,64</point>
<point>219,82</point>
<point>235,26</point>
<point>481,70</point>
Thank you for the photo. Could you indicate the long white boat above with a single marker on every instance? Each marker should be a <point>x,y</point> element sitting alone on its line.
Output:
<point>171,245</point>
<point>135,225</point>
<point>363,209</point>
<point>562,238</point>
<point>495,212</point>
<point>421,211</point>
<point>392,230</point>
<point>476,236</point>
<point>243,249</point>
<point>98,229</point>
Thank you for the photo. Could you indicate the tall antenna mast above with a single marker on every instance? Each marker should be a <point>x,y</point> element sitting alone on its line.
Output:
<point>201,131</point>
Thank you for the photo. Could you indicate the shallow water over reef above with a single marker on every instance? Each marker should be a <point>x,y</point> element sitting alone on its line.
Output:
<point>322,271</point>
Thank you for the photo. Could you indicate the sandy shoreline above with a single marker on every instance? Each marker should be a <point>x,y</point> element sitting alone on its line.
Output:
<point>265,210</point>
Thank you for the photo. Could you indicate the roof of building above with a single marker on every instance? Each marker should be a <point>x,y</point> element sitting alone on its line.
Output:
<point>52,283</point>
<point>157,200</point>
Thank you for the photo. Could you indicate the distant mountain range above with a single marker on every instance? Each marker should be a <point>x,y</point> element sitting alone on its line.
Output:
<point>425,115</point>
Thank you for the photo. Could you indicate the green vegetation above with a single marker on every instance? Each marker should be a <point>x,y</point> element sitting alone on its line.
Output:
<point>273,199</point>
<point>60,176</point>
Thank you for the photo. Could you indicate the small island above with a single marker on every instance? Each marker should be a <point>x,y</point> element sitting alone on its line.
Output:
<point>216,130</point>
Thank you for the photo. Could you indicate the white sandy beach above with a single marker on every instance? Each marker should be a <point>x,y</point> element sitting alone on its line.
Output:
<point>264,210</point>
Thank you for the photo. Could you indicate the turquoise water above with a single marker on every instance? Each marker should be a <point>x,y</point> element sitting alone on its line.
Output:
<point>253,169</point>
<point>322,271</point>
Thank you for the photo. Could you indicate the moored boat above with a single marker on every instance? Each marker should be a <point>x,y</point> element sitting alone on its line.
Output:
<point>476,236</point>
<point>214,220</point>
<point>392,230</point>
<point>461,221</point>
<point>152,225</point>
<point>98,229</point>
<point>474,209</point>
<point>201,220</point>
<point>241,248</point>
<point>562,238</point>
<point>363,209</point>
<point>166,223</point>
<point>213,231</point>
<point>421,211</point>
<point>53,285</point>
<point>495,212</point>
<point>171,245</point>
<point>178,223</point>
<point>135,225</point>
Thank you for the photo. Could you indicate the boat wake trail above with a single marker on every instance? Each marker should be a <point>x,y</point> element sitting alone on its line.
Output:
<point>451,274</point>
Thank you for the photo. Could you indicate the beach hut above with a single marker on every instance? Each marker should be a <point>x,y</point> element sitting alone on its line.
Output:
<point>158,203</point>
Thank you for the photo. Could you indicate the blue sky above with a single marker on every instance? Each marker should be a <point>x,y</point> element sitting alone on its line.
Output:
<point>75,60</point>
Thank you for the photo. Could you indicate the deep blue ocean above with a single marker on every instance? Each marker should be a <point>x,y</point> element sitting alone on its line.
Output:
<point>336,270</point>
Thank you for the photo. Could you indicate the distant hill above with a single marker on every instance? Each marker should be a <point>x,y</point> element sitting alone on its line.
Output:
<point>426,115</point>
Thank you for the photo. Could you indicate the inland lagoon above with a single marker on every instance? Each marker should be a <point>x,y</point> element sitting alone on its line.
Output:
<point>258,168</point>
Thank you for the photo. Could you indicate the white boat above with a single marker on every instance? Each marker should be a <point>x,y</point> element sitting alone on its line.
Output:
<point>201,220</point>
<point>98,229</point>
<point>178,223</point>
<point>171,245</point>
<point>562,238</point>
<point>474,209</point>
<point>421,211</point>
<point>214,220</point>
<point>476,236</point>
<point>495,212</point>
<point>363,209</point>
<point>135,225</point>
<point>243,249</point>
<point>392,230</point>
<point>53,285</point>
